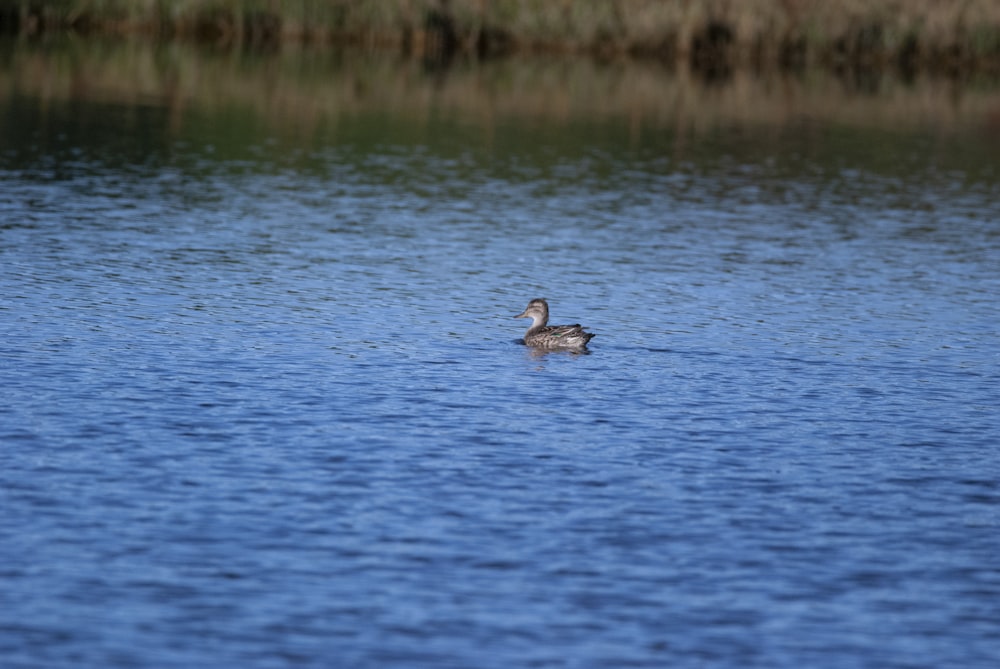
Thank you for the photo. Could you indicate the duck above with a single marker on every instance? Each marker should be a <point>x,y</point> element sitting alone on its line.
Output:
<point>541,335</point>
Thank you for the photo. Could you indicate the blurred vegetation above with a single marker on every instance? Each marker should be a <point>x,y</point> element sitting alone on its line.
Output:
<point>301,89</point>
<point>708,34</point>
<point>316,67</point>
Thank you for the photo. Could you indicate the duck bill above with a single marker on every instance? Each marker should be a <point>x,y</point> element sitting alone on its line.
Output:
<point>521,315</point>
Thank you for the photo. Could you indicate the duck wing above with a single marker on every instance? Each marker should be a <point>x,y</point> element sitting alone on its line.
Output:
<point>567,331</point>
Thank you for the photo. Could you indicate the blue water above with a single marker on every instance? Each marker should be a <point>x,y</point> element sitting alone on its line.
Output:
<point>275,412</point>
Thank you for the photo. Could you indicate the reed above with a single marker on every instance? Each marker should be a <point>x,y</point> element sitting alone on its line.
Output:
<point>705,33</point>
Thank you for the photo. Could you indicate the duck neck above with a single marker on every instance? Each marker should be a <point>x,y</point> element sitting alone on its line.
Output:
<point>537,323</point>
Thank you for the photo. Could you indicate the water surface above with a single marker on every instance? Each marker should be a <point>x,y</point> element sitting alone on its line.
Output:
<point>263,403</point>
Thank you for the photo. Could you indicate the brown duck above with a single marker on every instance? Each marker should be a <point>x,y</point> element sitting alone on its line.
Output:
<point>551,336</point>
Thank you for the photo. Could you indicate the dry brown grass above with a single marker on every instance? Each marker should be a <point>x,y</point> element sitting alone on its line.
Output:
<point>297,90</point>
<point>706,33</point>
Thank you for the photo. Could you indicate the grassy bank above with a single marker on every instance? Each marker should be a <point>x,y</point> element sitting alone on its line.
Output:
<point>707,34</point>
<point>301,90</point>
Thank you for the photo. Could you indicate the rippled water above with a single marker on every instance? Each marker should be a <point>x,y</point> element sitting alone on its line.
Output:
<point>272,410</point>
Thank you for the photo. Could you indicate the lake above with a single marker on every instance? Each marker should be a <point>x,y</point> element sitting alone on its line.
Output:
<point>264,404</point>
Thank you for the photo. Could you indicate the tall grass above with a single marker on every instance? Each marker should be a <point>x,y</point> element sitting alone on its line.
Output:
<point>299,90</point>
<point>708,33</point>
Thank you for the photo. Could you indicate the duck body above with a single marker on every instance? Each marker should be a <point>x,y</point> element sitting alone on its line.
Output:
<point>542,335</point>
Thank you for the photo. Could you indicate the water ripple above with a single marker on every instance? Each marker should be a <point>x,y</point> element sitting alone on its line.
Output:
<point>271,430</point>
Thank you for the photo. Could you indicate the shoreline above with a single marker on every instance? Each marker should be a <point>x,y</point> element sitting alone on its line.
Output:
<point>300,89</point>
<point>707,37</point>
